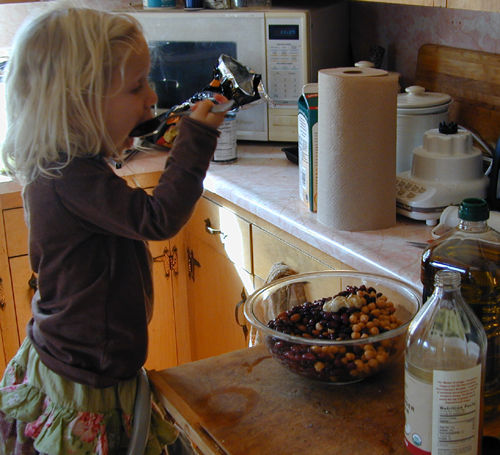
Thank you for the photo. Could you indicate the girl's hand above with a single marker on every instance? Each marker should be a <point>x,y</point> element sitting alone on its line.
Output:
<point>201,112</point>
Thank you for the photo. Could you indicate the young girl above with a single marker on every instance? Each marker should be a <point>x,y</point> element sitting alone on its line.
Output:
<point>77,85</point>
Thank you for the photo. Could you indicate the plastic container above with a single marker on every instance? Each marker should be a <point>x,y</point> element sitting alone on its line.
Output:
<point>418,111</point>
<point>473,249</point>
<point>444,373</point>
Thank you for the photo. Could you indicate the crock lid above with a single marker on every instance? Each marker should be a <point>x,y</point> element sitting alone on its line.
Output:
<point>417,97</point>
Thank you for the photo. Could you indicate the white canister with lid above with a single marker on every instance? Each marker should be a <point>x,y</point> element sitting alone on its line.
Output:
<point>418,112</point>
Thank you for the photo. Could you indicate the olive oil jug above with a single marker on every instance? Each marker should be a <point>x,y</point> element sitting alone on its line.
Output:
<point>473,250</point>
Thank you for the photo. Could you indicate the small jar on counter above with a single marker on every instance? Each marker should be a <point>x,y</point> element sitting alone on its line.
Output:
<point>226,151</point>
<point>157,4</point>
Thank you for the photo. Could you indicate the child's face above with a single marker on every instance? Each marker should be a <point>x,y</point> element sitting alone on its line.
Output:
<point>129,103</point>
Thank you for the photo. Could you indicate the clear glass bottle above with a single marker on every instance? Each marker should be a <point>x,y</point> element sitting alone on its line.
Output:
<point>473,249</point>
<point>444,374</point>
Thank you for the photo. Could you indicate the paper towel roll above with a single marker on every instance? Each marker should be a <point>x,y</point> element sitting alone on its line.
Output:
<point>357,115</point>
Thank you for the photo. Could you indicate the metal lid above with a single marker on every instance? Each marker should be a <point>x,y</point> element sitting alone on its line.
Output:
<point>416,98</point>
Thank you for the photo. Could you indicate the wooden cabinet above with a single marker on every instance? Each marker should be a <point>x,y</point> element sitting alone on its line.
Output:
<point>476,5</point>
<point>219,247</point>
<point>201,277</point>
<point>18,282</point>
<point>411,2</point>
<point>164,349</point>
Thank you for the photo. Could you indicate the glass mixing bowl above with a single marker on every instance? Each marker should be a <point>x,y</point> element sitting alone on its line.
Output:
<point>337,356</point>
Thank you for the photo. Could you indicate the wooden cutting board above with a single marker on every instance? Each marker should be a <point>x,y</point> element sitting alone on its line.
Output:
<point>246,403</point>
<point>472,78</point>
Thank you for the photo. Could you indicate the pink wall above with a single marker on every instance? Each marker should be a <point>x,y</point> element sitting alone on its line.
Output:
<point>402,29</point>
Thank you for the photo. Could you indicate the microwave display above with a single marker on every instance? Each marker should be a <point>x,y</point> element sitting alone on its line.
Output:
<point>179,69</point>
<point>288,32</point>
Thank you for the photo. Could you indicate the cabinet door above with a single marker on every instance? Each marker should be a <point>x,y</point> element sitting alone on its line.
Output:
<point>220,265</point>
<point>23,285</point>
<point>478,5</point>
<point>16,244</point>
<point>412,2</point>
<point>215,289</point>
<point>162,342</point>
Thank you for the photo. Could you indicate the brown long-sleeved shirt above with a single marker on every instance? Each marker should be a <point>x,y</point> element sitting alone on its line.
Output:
<point>87,243</point>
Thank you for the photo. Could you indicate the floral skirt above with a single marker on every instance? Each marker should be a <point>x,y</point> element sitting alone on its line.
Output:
<point>41,412</point>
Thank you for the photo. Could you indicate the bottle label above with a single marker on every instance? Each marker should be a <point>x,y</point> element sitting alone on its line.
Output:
<point>443,417</point>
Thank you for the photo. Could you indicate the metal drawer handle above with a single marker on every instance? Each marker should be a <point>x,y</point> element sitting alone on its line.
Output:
<point>213,231</point>
<point>237,310</point>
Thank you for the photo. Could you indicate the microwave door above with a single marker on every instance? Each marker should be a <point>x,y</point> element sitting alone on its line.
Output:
<point>185,47</point>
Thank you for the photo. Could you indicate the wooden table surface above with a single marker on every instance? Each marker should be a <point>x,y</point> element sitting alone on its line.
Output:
<point>246,403</point>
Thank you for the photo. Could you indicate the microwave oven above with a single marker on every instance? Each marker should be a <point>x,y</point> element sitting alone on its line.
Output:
<point>286,46</point>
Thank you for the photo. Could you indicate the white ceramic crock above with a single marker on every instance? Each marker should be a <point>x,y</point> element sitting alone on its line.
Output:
<point>418,112</point>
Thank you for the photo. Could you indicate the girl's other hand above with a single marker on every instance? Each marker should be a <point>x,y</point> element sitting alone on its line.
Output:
<point>201,112</point>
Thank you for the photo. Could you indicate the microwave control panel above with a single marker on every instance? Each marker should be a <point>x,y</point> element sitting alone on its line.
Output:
<point>286,62</point>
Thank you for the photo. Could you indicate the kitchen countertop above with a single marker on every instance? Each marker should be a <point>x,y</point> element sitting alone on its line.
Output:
<point>263,182</point>
<point>247,403</point>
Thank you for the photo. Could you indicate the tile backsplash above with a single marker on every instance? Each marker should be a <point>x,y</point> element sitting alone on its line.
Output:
<point>402,29</point>
<point>399,29</point>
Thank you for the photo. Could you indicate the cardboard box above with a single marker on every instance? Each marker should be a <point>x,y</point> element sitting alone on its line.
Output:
<point>308,145</point>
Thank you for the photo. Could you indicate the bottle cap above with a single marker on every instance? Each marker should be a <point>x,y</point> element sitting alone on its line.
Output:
<point>472,209</point>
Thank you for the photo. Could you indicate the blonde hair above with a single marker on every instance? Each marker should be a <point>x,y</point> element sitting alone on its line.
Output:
<point>58,75</point>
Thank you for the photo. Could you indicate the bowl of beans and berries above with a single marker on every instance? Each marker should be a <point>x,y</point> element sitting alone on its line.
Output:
<point>336,326</point>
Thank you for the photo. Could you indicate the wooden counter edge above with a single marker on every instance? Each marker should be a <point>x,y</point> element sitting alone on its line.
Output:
<point>184,416</point>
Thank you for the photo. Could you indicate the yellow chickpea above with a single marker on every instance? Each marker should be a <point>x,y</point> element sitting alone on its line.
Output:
<point>373,363</point>
<point>359,364</point>
<point>369,355</point>
<point>355,335</point>
<point>350,356</point>
<point>333,349</point>
<point>374,331</point>
<point>381,359</point>
<point>386,343</point>
<point>353,319</point>
<point>364,318</point>
<point>318,366</point>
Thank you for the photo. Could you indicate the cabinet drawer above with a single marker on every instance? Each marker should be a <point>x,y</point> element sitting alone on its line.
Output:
<point>269,249</point>
<point>223,230</point>
<point>16,232</point>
